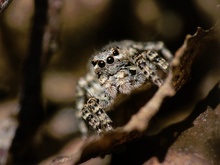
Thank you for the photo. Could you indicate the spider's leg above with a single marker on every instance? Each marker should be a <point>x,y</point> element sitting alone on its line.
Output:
<point>88,106</point>
<point>97,110</point>
<point>84,86</point>
<point>80,101</point>
<point>149,56</point>
<point>156,59</point>
<point>91,118</point>
<point>159,47</point>
<point>84,112</point>
<point>148,69</point>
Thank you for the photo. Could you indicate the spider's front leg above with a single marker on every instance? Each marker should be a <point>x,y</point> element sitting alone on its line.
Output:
<point>156,59</point>
<point>152,57</point>
<point>147,68</point>
<point>96,117</point>
<point>158,47</point>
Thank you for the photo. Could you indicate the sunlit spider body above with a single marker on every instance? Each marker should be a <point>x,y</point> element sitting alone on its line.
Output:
<point>119,67</point>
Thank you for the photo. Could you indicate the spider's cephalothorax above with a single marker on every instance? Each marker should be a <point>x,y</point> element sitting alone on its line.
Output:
<point>118,68</point>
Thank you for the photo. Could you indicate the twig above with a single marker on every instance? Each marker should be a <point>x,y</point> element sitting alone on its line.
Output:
<point>31,113</point>
<point>4,4</point>
<point>52,30</point>
<point>43,43</point>
<point>140,120</point>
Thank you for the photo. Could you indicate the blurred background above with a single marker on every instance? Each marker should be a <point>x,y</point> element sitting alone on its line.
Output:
<point>86,26</point>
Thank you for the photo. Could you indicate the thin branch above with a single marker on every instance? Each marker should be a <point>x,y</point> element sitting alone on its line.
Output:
<point>52,30</point>
<point>140,120</point>
<point>43,43</point>
<point>31,114</point>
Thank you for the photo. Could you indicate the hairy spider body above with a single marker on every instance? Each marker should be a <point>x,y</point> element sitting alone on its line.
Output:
<point>118,68</point>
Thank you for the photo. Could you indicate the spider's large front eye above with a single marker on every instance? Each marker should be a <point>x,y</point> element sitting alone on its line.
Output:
<point>101,64</point>
<point>110,60</point>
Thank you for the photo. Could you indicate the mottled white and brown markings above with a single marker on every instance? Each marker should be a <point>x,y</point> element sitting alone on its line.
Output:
<point>118,67</point>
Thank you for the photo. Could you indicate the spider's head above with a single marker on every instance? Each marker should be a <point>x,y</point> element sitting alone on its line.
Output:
<point>109,61</point>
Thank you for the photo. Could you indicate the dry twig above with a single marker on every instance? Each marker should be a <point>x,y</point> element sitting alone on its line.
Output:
<point>31,114</point>
<point>52,30</point>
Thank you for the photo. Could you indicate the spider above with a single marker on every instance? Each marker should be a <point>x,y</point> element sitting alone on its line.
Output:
<point>118,68</point>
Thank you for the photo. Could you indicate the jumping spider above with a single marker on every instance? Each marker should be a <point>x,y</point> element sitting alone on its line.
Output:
<point>118,68</point>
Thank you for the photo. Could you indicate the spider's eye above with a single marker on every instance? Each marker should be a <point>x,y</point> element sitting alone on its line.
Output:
<point>115,52</point>
<point>110,60</point>
<point>101,64</point>
<point>93,63</point>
